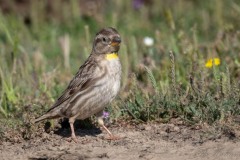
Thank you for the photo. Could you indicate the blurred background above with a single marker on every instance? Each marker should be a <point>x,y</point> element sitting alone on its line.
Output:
<point>180,57</point>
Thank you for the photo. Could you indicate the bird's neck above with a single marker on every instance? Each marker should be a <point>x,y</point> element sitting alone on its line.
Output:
<point>110,56</point>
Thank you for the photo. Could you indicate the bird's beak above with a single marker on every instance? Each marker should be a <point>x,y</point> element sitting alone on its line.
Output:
<point>116,41</point>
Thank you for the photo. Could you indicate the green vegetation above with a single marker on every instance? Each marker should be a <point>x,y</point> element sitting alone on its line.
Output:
<point>162,81</point>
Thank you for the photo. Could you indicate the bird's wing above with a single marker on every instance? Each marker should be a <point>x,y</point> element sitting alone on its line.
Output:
<point>82,80</point>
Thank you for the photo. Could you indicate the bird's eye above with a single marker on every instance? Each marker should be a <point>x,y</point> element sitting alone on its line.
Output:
<point>104,39</point>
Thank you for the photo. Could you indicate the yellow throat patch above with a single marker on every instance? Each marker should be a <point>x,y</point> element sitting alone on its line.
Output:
<point>111,56</point>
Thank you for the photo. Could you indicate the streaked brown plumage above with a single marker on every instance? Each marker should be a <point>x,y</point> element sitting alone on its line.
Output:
<point>95,84</point>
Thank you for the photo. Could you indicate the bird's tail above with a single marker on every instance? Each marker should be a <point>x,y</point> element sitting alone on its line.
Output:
<point>52,113</point>
<point>41,118</point>
<point>46,116</point>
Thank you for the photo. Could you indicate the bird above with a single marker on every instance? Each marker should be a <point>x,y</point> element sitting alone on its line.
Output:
<point>94,86</point>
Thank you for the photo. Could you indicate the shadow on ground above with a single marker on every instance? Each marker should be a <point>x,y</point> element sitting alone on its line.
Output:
<point>82,128</point>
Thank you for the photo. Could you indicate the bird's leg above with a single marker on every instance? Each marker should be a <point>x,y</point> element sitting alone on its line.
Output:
<point>71,122</point>
<point>101,123</point>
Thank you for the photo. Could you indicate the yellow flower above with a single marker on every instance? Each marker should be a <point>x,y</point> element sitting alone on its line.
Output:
<point>211,62</point>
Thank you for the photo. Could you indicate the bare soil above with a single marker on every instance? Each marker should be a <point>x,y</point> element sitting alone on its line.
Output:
<point>144,141</point>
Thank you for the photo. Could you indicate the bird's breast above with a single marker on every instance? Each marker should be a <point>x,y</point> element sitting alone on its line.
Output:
<point>114,76</point>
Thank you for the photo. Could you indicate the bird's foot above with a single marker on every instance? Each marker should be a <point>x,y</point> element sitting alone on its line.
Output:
<point>72,138</point>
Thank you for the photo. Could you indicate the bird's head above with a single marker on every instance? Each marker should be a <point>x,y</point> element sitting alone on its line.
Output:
<point>107,41</point>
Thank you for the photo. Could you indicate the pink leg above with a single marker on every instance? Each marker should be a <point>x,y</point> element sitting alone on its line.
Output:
<point>101,123</point>
<point>74,138</point>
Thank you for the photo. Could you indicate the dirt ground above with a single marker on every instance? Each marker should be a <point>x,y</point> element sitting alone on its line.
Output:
<point>152,141</point>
